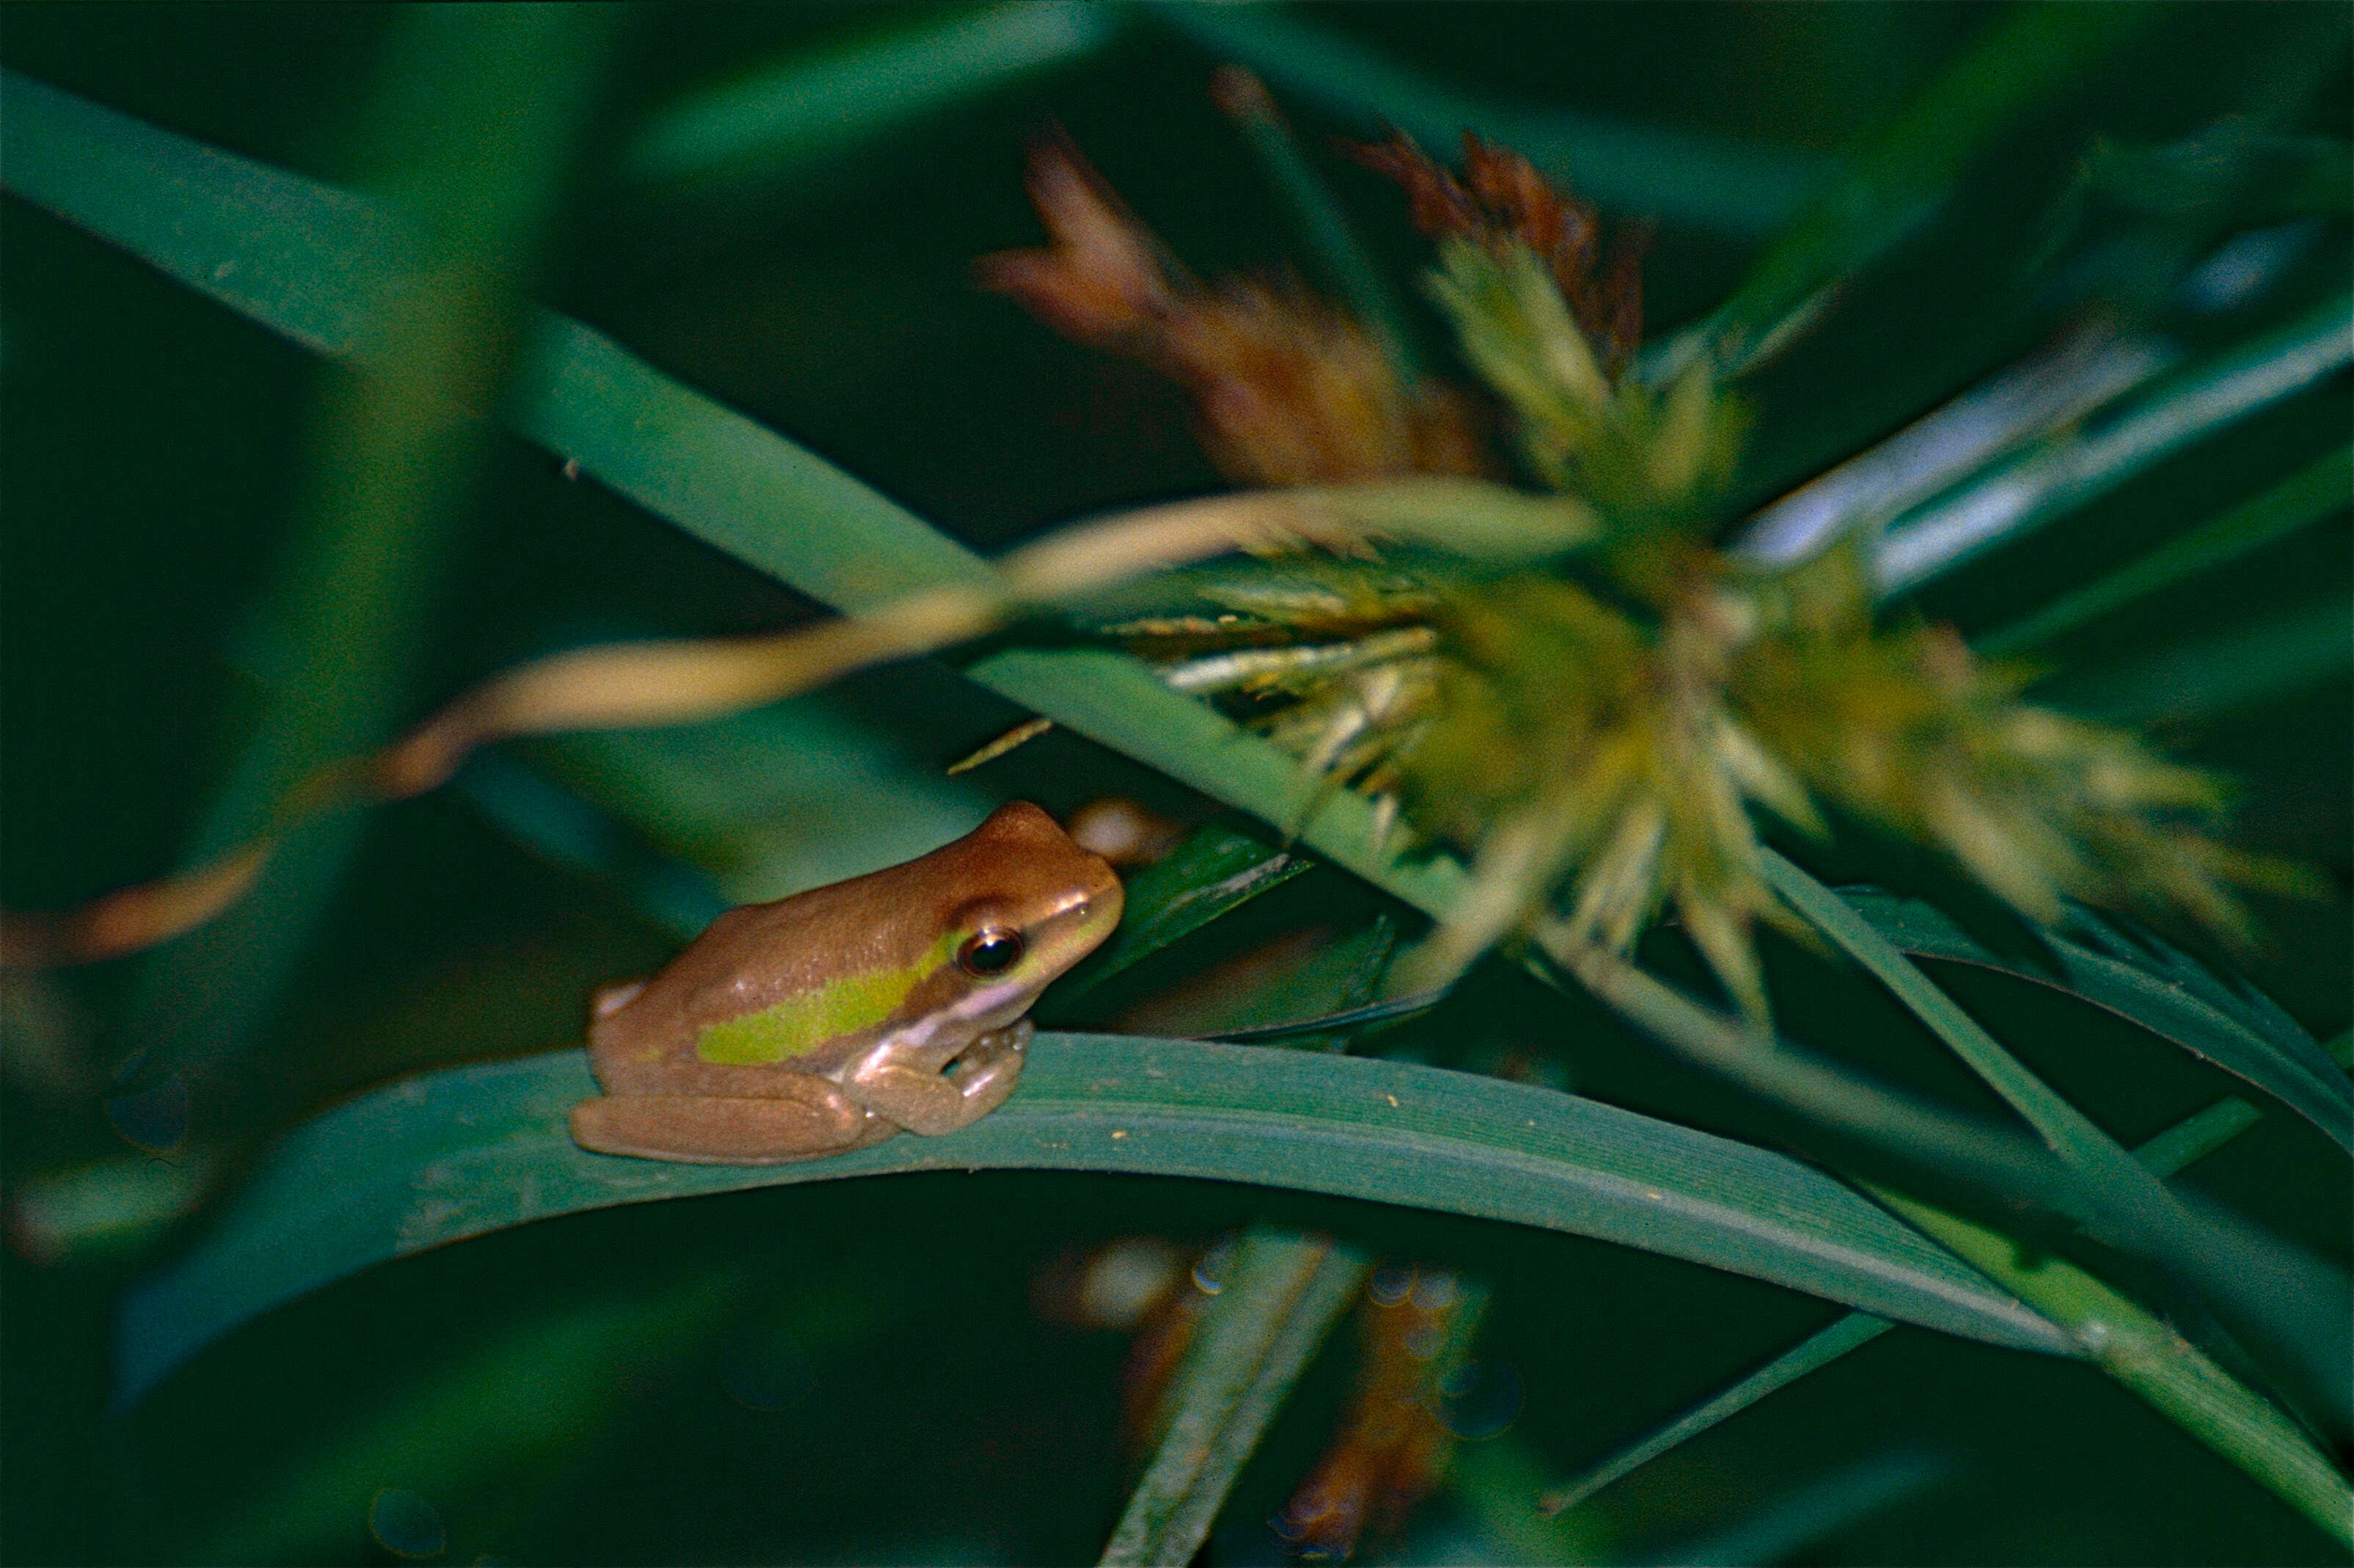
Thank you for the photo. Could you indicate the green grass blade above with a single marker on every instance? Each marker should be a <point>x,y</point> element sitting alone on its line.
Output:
<point>447,1155</point>
<point>391,465</point>
<point>2021,403</point>
<point>2318,491</point>
<point>2191,1138</point>
<point>1700,182</point>
<point>1810,1354</point>
<point>721,477</point>
<point>565,829</point>
<point>2171,996</point>
<point>2161,1366</point>
<point>2299,1304</point>
<point>1281,1298</point>
<point>307,261</point>
<point>821,106</point>
<point>1215,869</point>
<point>2052,481</point>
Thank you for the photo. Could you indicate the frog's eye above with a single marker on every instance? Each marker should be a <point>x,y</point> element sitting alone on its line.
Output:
<point>991,951</point>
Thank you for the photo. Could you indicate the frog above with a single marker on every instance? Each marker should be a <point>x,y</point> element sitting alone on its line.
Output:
<point>896,1002</point>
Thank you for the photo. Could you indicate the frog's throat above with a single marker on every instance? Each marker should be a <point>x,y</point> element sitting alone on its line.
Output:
<point>807,1019</point>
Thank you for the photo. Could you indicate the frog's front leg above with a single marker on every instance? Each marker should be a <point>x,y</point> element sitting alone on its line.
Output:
<point>809,1119</point>
<point>931,1101</point>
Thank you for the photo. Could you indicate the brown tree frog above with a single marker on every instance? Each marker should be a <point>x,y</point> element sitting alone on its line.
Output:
<point>890,1002</point>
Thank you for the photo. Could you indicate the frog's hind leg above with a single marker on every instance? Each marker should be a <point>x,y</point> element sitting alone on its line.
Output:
<point>715,1130</point>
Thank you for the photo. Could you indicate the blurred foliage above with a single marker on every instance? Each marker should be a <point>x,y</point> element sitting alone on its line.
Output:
<point>779,205</point>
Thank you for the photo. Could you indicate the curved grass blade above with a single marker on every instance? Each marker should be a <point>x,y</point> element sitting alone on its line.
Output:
<point>1281,1298</point>
<point>310,261</point>
<point>2242,1270</point>
<point>2174,998</point>
<point>2171,1151</point>
<point>2148,1357</point>
<point>2319,491</point>
<point>447,1155</point>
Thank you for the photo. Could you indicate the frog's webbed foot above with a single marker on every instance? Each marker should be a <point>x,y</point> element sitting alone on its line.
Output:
<point>932,1102</point>
<point>703,1129</point>
<point>990,1067</point>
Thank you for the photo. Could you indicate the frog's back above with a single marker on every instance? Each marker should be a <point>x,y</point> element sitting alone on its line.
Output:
<point>797,986</point>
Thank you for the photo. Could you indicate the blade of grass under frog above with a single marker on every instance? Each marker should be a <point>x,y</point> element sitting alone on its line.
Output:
<point>444,1155</point>
<point>2318,490</point>
<point>2298,1304</point>
<point>1279,1299</point>
<point>2168,1152</point>
<point>2170,995</point>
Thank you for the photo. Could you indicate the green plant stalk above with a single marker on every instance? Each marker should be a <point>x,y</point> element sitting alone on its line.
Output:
<point>1811,1354</point>
<point>2171,1151</point>
<point>2257,1287</point>
<point>2144,1355</point>
<point>396,453</point>
<point>2187,1388</point>
<point>2317,492</point>
<point>1282,1297</point>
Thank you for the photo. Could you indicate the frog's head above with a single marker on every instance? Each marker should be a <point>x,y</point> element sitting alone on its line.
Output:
<point>1032,903</point>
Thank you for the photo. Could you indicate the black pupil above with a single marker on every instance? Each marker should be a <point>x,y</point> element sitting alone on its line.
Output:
<point>992,953</point>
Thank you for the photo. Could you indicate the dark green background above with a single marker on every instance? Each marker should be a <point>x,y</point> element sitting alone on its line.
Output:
<point>152,446</point>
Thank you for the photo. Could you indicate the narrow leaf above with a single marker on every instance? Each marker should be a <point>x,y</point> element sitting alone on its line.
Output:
<point>2296,1301</point>
<point>1215,870</point>
<point>2177,1002</point>
<point>2156,1363</point>
<point>2169,1151</point>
